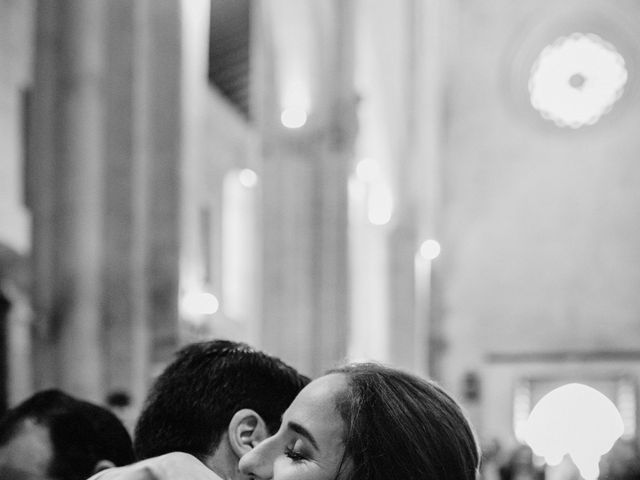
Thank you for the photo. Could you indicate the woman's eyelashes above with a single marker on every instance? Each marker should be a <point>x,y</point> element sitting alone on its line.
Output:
<point>295,453</point>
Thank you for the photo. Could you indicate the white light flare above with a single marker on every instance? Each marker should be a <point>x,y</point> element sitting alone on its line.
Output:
<point>293,117</point>
<point>576,80</point>
<point>430,249</point>
<point>379,198</point>
<point>380,204</point>
<point>574,420</point>
<point>247,178</point>
<point>195,304</point>
<point>295,104</point>
<point>367,170</point>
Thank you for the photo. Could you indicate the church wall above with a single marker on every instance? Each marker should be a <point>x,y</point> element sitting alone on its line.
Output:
<point>218,142</point>
<point>541,239</point>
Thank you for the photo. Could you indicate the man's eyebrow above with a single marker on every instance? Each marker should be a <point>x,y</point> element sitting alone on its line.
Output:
<point>300,430</point>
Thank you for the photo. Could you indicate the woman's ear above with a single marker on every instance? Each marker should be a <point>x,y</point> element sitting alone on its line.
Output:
<point>103,465</point>
<point>246,430</point>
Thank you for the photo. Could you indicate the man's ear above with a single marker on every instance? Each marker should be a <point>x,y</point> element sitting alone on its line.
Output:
<point>246,430</point>
<point>103,465</point>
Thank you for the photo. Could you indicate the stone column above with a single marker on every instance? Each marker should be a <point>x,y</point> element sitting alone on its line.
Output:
<point>68,163</point>
<point>160,140</point>
<point>305,206</point>
<point>416,339</point>
<point>40,169</point>
<point>141,190</point>
<point>125,304</point>
<point>425,183</point>
<point>17,20</point>
<point>330,210</point>
<point>104,178</point>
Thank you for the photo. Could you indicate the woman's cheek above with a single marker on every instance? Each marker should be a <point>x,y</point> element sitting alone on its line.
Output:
<point>286,469</point>
<point>283,468</point>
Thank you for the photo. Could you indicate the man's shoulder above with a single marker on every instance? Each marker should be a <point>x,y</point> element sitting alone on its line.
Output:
<point>172,466</point>
<point>122,473</point>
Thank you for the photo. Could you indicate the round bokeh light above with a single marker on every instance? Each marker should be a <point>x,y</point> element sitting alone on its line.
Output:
<point>576,80</point>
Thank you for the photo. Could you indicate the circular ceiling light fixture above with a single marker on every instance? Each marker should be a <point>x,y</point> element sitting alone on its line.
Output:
<point>576,80</point>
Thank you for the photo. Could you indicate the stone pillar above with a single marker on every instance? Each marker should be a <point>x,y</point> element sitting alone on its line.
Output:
<point>402,295</point>
<point>40,169</point>
<point>17,18</point>
<point>305,207</point>
<point>415,339</point>
<point>104,182</point>
<point>160,140</point>
<point>121,185</point>
<point>68,119</point>
<point>141,191</point>
<point>330,208</point>
<point>125,302</point>
<point>78,214</point>
<point>425,183</point>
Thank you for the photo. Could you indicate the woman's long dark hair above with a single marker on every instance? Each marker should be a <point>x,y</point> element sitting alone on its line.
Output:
<point>399,426</point>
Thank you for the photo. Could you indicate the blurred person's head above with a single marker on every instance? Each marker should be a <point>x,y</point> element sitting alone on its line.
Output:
<point>368,422</point>
<point>120,403</point>
<point>622,462</point>
<point>54,436</point>
<point>216,401</point>
<point>521,457</point>
<point>118,400</point>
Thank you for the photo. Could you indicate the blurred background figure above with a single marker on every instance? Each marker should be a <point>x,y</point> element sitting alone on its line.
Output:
<point>521,466</point>
<point>54,436</point>
<point>492,453</point>
<point>119,402</point>
<point>621,463</point>
<point>446,186</point>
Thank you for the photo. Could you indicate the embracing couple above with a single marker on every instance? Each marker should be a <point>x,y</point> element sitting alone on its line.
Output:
<point>222,410</point>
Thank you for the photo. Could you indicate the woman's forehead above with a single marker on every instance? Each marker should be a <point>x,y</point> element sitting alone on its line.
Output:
<point>318,399</point>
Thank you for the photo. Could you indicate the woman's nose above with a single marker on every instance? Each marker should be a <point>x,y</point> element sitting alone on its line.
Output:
<point>258,463</point>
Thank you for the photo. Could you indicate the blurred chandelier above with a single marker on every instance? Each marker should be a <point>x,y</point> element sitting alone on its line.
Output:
<point>576,80</point>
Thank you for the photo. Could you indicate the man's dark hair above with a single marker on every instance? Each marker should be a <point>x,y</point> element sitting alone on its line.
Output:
<point>82,434</point>
<point>194,399</point>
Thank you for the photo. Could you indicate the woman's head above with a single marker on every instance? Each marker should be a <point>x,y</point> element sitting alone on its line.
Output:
<point>400,426</point>
<point>308,445</point>
<point>368,422</point>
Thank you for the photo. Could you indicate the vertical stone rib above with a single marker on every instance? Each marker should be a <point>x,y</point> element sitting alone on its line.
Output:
<point>78,211</point>
<point>40,176</point>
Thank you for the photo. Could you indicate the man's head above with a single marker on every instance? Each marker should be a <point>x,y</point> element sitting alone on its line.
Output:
<point>216,401</point>
<point>53,436</point>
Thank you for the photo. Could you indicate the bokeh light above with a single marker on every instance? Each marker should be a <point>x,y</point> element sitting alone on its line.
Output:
<point>430,249</point>
<point>247,178</point>
<point>367,170</point>
<point>293,117</point>
<point>576,80</point>
<point>380,204</point>
<point>200,303</point>
<point>574,420</point>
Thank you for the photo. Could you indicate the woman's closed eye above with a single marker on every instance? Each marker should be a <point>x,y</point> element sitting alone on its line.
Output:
<point>295,454</point>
